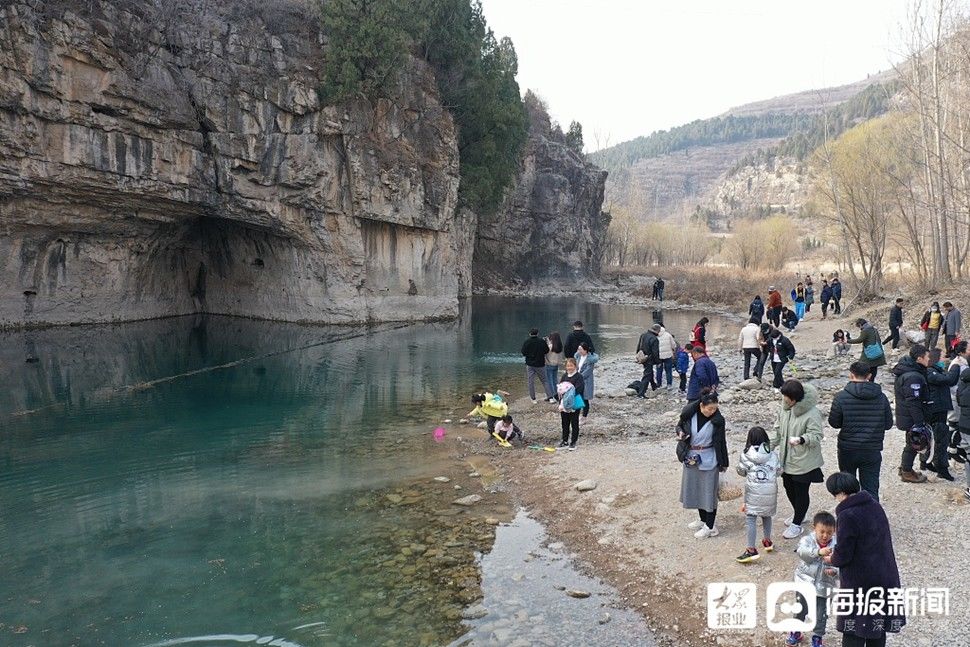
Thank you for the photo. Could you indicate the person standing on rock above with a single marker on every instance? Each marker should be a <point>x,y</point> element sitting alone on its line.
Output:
<point>748,343</point>
<point>781,351</point>
<point>534,350</point>
<point>798,439</point>
<point>825,297</point>
<point>660,288</point>
<point>939,382</point>
<point>774,307</point>
<point>585,361</point>
<point>867,565</point>
<point>912,393</point>
<point>757,310</point>
<point>703,427</point>
<point>952,323</point>
<point>862,413</point>
<point>649,345</point>
<point>575,338</point>
<point>554,357</point>
<point>703,375</point>
<point>895,323</point>
<point>872,350</point>
<point>668,347</point>
<point>653,294</point>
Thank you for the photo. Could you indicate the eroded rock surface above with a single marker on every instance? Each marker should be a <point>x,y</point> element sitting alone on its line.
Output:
<point>551,225</point>
<point>157,164</point>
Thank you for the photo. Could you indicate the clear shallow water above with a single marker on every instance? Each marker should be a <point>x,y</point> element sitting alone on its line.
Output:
<point>284,497</point>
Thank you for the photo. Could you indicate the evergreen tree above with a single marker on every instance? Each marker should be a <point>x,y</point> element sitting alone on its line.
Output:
<point>574,137</point>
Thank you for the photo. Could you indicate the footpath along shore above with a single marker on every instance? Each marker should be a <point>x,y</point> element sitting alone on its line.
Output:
<point>632,531</point>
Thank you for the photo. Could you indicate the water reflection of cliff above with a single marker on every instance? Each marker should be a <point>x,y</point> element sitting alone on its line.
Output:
<point>365,369</point>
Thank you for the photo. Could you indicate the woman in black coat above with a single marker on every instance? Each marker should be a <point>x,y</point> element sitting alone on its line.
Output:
<point>866,561</point>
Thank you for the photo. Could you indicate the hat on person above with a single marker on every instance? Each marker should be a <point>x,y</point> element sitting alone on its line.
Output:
<point>656,328</point>
<point>771,287</point>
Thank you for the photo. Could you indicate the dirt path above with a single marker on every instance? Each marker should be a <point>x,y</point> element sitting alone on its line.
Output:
<point>631,530</point>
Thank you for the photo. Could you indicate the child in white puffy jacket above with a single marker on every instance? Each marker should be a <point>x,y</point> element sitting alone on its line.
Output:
<point>759,465</point>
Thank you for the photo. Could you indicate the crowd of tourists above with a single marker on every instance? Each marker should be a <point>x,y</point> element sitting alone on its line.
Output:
<point>850,549</point>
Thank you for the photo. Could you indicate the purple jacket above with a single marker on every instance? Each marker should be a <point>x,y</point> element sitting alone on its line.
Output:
<point>703,374</point>
<point>865,557</point>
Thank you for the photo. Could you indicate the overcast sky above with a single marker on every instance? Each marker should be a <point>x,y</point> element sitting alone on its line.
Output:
<point>627,68</point>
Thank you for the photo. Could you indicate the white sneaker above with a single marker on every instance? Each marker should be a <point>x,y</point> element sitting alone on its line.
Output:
<point>792,531</point>
<point>706,532</point>
<point>789,520</point>
<point>534,401</point>
<point>551,400</point>
<point>696,524</point>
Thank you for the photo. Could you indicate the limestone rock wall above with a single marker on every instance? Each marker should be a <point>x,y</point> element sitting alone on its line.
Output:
<point>155,164</point>
<point>551,224</point>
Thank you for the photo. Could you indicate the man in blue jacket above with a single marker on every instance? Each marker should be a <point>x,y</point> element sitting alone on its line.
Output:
<point>704,374</point>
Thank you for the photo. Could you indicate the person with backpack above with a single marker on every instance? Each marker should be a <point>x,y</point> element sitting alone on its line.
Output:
<point>756,311</point>
<point>648,349</point>
<point>781,351</point>
<point>912,395</point>
<point>872,350</point>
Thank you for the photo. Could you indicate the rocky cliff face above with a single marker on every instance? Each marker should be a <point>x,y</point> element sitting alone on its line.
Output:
<point>157,164</point>
<point>551,224</point>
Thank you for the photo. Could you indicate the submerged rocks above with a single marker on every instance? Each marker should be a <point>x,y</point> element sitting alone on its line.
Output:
<point>469,500</point>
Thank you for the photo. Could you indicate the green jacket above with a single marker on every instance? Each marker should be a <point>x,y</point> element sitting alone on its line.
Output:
<point>869,335</point>
<point>803,420</point>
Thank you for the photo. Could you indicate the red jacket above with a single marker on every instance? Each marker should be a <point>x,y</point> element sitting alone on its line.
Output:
<point>774,299</point>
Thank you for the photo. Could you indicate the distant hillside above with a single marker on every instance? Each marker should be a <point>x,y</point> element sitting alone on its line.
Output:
<point>811,101</point>
<point>672,172</point>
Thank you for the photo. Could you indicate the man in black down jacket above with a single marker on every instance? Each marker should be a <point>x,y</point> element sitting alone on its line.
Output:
<point>650,345</point>
<point>912,396</point>
<point>575,338</point>
<point>534,350</point>
<point>861,410</point>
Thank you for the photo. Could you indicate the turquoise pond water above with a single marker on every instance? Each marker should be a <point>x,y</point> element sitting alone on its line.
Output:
<point>254,482</point>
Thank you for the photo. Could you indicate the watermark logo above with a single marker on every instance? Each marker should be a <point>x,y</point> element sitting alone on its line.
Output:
<point>791,606</point>
<point>732,605</point>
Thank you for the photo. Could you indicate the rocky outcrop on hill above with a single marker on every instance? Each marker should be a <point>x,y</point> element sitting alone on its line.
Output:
<point>551,224</point>
<point>158,164</point>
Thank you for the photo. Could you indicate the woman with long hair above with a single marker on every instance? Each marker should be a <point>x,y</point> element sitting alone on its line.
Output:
<point>554,358</point>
